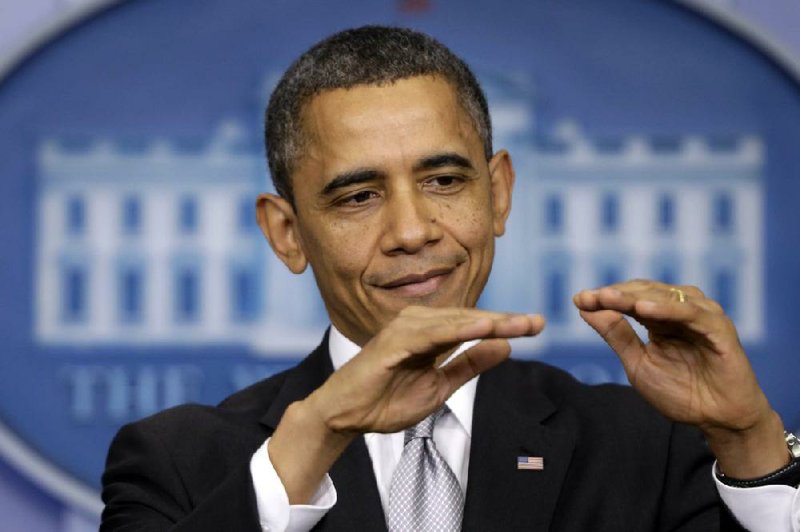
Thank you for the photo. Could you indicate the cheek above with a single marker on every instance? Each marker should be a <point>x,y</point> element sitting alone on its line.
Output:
<point>344,250</point>
<point>471,222</point>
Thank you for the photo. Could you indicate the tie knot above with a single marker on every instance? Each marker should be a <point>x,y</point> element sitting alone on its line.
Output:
<point>424,429</point>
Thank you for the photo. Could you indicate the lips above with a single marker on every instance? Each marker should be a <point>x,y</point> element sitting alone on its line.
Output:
<point>418,284</point>
<point>415,278</point>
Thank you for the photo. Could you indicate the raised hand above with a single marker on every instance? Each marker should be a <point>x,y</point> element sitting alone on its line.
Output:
<point>394,382</point>
<point>692,368</point>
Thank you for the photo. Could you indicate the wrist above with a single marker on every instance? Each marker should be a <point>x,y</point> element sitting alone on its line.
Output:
<point>301,434</point>
<point>304,422</point>
<point>789,475</point>
<point>754,452</point>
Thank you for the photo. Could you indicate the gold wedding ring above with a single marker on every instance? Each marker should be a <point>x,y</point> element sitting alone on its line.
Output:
<point>680,293</point>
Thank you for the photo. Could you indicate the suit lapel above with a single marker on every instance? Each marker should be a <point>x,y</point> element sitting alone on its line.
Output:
<point>358,503</point>
<point>306,377</point>
<point>508,422</point>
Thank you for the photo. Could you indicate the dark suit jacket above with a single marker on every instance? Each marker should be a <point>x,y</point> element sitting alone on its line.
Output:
<point>611,463</point>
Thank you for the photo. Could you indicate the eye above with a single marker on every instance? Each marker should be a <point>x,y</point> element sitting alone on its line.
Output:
<point>358,198</point>
<point>444,183</point>
<point>445,180</point>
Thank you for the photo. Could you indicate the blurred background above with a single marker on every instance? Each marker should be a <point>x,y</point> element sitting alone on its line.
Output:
<point>650,139</point>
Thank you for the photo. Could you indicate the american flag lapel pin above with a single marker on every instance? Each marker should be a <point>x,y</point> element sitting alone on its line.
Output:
<point>533,463</point>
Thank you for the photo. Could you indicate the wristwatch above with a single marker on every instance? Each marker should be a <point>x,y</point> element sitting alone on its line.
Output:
<point>793,443</point>
<point>788,475</point>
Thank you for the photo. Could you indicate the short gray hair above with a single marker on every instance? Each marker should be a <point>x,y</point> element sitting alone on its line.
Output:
<point>369,55</point>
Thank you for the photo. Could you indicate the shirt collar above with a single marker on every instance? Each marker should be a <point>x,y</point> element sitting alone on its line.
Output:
<point>342,349</point>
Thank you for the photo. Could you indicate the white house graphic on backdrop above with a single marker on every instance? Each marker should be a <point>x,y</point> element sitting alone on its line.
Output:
<point>158,245</point>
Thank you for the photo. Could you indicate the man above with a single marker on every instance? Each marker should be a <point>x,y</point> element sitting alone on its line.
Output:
<point>379,144</point>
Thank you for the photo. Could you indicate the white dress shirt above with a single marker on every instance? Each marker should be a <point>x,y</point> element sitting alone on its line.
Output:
<point>764,509</point>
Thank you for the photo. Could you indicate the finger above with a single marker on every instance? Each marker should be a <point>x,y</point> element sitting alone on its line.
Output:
<point>444,333</point>
<point>641,286</point>
<point>659,311</point>
<point>607,298</point>
<point>636,288</point>
<point>474,361</point>
<point>617,333</point>
<point>590,297</point>
<point>454,313</point>
<point>436,312</point>
<point>666,310</point>
<point>463,315</point>
<point>631,291</point>
<point>704,318</point>
<point>648,305</point>
<point>507,326</point>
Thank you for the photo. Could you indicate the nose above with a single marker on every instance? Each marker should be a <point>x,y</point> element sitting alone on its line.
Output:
<point>410,223</point>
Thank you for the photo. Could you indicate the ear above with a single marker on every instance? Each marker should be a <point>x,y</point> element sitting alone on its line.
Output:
<point>278,222</point>
<point>501,175</point>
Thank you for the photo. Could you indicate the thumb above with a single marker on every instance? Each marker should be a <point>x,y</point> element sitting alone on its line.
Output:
<point>485,355</point>
<point>617,333</point>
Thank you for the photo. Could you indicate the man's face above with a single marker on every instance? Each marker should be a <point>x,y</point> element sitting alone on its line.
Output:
<point>395,203</point>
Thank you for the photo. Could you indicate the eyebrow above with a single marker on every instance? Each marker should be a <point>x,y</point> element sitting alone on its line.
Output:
<point>350,178</point>
<point>442,160</point>
<point>364,175</point>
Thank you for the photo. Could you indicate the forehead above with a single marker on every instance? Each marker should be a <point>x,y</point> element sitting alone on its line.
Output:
<point>379,122</point>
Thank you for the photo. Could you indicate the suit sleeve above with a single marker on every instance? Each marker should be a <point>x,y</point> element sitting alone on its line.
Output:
<point>690,501</point>
<point>145,490</point>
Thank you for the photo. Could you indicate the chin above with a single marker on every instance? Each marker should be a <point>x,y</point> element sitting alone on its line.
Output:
<point>430,300</point>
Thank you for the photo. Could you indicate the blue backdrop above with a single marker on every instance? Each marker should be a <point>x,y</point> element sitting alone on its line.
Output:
<point>647,140</point>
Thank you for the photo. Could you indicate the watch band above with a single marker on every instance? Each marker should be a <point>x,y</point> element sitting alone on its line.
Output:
<point>788,475</point>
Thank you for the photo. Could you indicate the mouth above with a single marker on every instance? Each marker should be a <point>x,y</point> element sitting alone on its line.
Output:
<point>418,284</point>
